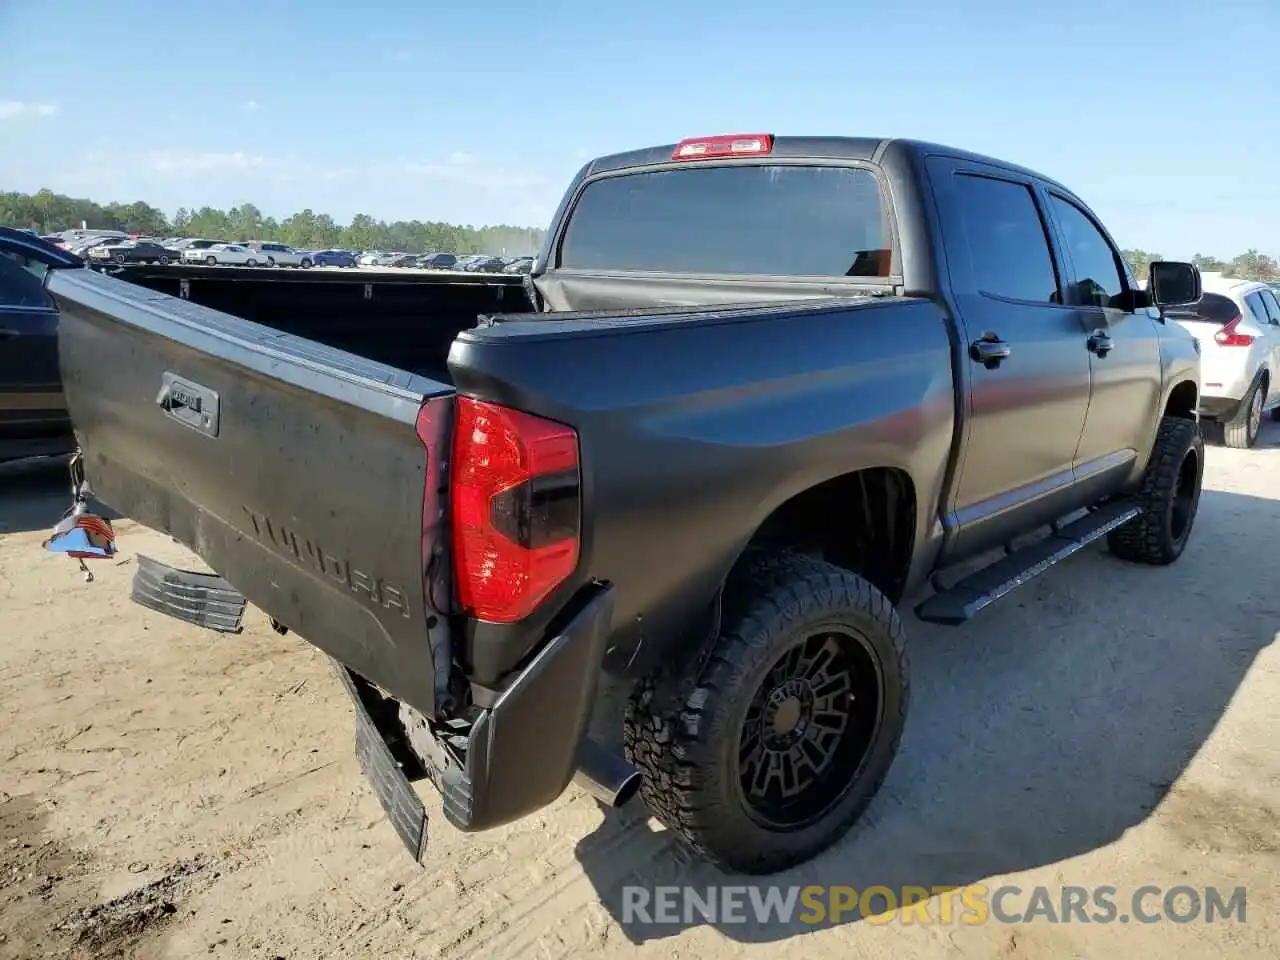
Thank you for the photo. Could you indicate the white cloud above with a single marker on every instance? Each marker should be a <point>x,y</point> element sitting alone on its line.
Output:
<point>252,105</point>
<point>465,170</point>
<point>193,162</point>
<point>17,108</point>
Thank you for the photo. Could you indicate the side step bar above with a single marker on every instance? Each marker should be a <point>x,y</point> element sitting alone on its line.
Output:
<point>963,601</point>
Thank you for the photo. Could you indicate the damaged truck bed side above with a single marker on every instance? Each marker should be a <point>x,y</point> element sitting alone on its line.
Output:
<point>757,392</point>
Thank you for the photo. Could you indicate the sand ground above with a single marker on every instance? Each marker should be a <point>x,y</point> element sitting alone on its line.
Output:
<point>171,792</point>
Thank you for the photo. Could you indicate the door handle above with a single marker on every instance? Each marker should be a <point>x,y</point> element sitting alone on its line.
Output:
<point>1100,343</point>
<point>989,350</point>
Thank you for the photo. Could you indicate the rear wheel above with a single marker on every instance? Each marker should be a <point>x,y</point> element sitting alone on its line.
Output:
<point>1169,497</point>
<point>1241,431</point>
<point>767,751</point>
<point>211,261</point>
<point>271,262</point>
<point>164,261</point>
<point>118,258</point>
<point>251,262</point>
<point>306,264</point>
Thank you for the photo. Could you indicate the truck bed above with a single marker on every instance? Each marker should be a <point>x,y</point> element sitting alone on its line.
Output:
<point>406,320</point>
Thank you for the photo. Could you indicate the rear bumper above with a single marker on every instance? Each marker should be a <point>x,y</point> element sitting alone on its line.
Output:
<point>518,756</point>
<point>1219,408</point>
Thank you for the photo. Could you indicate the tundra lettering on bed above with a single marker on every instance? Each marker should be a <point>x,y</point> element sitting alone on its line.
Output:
<point>756,393</point>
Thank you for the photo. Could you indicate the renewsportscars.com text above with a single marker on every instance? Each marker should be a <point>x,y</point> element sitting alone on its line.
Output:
<point>973,904</point>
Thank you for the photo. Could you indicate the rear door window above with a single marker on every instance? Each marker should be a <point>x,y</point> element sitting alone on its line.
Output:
<point>1005,239</point>
<point>760,220</point>
<point>22,282</point>
<point>1254,302</point>
<point>1272,306</point>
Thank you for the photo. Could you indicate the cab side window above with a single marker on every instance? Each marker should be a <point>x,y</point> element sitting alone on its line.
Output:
<point>1098,278</point>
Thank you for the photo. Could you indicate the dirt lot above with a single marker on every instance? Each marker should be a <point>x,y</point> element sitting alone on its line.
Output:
<point>168,792</point>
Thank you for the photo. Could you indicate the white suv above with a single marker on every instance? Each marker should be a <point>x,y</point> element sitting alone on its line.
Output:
<point>1238,325</point>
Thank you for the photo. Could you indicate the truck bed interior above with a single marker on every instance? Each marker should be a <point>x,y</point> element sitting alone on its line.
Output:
<point>407,322</point>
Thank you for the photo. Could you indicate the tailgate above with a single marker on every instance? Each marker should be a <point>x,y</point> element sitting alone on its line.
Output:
<point>293,469</point>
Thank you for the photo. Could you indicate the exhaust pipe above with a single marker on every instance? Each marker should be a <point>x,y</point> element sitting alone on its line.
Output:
<point>605,775</point>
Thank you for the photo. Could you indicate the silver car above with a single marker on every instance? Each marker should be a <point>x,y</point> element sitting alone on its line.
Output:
<point>281,255</point>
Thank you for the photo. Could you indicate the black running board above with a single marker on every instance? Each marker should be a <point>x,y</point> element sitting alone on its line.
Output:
<point>204,599</point>
<point>963,601</point>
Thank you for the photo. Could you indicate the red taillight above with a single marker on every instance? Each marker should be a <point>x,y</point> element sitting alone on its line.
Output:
<point>730,145</point>
<point>515,495</point>
<point>1227,336</point>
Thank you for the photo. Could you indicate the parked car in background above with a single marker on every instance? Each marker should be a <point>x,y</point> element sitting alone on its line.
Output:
<point>83,245</point>
<point>224,254</point>
<point>519,265</point>
<point>334,258</point>
<point>438,261</point>
<point>281,255</point>
<point>80,240</point>
<point>1237,323</point>
<point>133,251</point>
<point>465,262</point>
<point>198,243</point>
<point>486,265</point>
<point>33,413</point>
<point>405,260</point>
<point>369,258</point>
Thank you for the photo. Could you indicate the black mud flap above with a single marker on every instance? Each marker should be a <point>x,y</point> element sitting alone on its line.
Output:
<point>204,599</point>
<point>388,775</point>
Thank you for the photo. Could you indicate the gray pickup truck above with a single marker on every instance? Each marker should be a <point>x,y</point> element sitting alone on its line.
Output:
<point>756,393</point>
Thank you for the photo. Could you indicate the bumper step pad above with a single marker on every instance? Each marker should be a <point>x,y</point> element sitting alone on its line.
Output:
<point>204,599</point>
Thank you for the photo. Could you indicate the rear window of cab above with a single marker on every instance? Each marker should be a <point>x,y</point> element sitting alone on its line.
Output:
<point>783,220</point>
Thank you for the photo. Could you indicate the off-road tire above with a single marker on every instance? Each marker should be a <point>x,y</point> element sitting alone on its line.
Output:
<point>1155,536</point>
<point>683,725</point>
<point>1241,431</point>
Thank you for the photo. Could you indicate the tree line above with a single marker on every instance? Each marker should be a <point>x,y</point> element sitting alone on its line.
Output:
<point>1250,265</point>
<point>48,212</point>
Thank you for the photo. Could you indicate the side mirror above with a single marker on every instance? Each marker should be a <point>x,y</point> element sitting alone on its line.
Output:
<point>1171,283</point>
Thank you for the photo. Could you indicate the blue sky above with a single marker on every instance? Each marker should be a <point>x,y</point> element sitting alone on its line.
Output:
<point>481,112</point>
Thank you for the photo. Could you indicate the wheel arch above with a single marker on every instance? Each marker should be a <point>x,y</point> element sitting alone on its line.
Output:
<point>863,521</point>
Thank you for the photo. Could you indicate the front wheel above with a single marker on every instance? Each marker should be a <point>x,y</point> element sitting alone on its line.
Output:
<point>768,751</point>
<point>211,261</point>
<point>1169,497</point>
<point>306,264</point>
<point>251,262</point>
